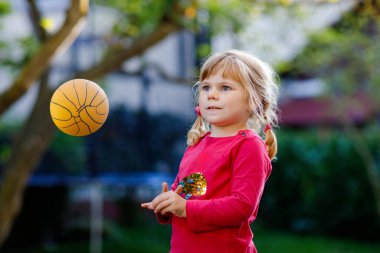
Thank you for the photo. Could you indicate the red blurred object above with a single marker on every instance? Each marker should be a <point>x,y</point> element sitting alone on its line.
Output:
<point>326,111</point>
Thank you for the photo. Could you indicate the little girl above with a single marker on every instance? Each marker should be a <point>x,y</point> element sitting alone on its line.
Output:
<point>221,178</point>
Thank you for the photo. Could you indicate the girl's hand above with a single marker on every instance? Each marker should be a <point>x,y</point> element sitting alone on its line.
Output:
<point>170,202</point>
<point>148,205</point>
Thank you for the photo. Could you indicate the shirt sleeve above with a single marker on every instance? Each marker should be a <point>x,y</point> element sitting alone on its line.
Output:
<point>250,170</point>
<point>164,219</point>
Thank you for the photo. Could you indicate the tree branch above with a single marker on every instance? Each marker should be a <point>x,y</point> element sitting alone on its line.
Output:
<point>114,60</point>
<point>35,16</point>
<point>161,73</point>
<point>53,46</point>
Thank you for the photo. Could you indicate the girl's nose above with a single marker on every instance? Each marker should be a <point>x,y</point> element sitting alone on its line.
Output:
<point>213,94</point>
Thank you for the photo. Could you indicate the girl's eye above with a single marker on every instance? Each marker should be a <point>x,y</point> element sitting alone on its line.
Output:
<point>226,88</point>
<point>205,87</point>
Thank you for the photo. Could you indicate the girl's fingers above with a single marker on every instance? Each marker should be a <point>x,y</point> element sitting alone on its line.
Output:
<point>147,205</point>
<point>179,189</point>
<point>166,210</point>
<point>175,205</point>
<point>160,202</point>
<point>164,187</point>
<point>161,206</point>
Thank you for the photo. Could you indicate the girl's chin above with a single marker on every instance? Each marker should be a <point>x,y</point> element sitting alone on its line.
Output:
<point>215,122</point>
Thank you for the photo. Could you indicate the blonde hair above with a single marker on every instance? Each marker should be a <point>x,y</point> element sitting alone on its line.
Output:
<point>261,92</point>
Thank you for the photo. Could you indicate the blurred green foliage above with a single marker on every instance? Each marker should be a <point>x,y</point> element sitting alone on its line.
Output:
<point>274,241</point>
<point>136,17</point>
<point>4,7</point>
<point>140,17</point>
<point>12,58</point>
<point>8,131</point>
<point>319,185</point>
<point>345,55</point>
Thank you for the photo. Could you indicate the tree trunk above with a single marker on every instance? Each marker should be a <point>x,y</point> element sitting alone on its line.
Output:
<point>38,131</point>
<point>29,147</point>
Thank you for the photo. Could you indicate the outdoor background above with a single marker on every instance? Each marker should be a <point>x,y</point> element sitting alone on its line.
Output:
<point>60,193</point>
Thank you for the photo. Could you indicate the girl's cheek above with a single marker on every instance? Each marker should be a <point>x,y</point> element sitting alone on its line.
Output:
<point>201,98</point>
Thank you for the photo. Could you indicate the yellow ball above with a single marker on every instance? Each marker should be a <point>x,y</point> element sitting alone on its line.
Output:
<point>79,107</point>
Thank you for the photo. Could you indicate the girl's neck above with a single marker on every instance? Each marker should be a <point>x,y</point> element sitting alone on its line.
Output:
<point>226,130</point>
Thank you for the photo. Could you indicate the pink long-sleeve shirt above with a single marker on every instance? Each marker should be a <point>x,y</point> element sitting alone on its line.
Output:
<point>236,169</point>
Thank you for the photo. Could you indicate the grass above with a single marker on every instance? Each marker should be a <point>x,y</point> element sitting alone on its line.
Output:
<point>274,241</point>
<point>156,240</point>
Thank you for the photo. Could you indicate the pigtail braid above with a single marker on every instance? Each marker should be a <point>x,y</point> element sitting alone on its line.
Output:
<point>271,143</point>
<point>196,132</point>
<point>271,120</point>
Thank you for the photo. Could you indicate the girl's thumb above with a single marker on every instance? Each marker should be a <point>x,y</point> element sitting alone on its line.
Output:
<point>164,187</point>
<point>179,189</point>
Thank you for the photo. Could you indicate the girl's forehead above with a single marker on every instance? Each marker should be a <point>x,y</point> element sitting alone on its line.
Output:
<point>218,79</point>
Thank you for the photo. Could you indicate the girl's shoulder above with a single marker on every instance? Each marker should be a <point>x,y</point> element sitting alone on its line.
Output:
<point>250,144</point>
<point>244,137</point>
<point>251,138</point>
